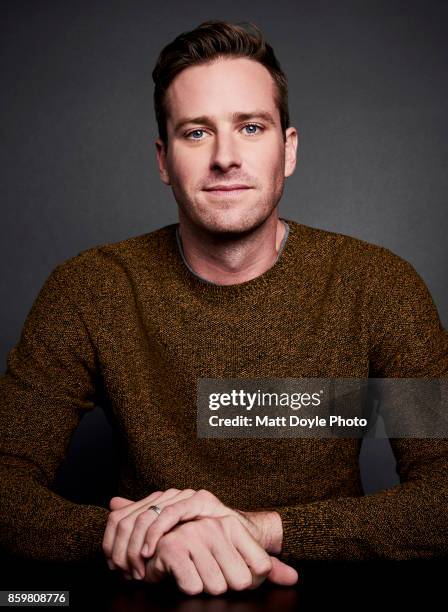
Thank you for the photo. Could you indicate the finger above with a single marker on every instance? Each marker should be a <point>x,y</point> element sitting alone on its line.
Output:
<point>254,555</point>
<point>137,538</point>
<point>186,574</point>
<point>125,527</point>
<point>197,505</point>
<point>235,570</point>
<point>119,502</point>
<point>282,574</point>
<point>110,533</point>
<point>182,569</point>
<point>154,571</point>
<point>209,570</point>
<point>116,515</point>
<point>168,518</point>
<point>141,503</point>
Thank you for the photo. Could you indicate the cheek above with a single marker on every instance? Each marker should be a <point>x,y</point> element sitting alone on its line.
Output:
<point>185,166</point>
<point>269,168</point>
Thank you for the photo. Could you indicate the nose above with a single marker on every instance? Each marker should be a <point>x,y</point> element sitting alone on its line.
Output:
<point>225,152</point>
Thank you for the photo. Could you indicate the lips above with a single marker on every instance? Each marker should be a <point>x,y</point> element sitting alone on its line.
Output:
<point>228,192</point>
<point>227,188</point>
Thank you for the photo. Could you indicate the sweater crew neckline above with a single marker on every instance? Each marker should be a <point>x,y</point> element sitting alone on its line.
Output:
<point>206,287</point>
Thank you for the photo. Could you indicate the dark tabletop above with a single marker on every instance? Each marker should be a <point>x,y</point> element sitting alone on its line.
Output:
<point>321,585</point>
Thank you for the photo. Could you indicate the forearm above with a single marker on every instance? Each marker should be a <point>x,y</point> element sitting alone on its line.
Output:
<point>50,382</point>
<point>38,524</point>
<point>408,521</point>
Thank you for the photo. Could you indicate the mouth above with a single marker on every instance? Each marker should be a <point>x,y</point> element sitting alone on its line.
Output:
<point>228,190</point>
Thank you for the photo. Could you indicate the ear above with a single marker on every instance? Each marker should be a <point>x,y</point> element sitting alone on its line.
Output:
<point>161,160</point>
<point>291,143</point>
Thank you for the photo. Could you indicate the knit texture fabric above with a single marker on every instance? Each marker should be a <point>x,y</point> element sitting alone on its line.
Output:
<point>129,327</point>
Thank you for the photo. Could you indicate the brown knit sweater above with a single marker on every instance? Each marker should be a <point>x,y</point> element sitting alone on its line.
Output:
<point>127,325</point>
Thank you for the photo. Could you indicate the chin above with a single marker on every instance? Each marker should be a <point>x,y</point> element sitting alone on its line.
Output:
<point>233,225</point>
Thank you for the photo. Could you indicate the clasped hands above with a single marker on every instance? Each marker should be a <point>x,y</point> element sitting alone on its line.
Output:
<point>205,545</point>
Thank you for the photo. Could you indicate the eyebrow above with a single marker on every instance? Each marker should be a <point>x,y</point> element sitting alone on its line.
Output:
<point>236,117</point>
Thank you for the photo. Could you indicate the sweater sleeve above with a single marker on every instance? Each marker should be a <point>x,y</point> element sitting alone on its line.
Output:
<point>48,385</point>
<point>409,520</point>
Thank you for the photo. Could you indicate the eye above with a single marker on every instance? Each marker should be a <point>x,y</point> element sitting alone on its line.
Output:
<point>190,136</point>
<point>252,125</point>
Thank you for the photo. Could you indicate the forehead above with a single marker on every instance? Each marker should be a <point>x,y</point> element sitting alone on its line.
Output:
<point>221,87</point>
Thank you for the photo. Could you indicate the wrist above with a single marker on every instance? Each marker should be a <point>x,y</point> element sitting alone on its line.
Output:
<point>266,527</point>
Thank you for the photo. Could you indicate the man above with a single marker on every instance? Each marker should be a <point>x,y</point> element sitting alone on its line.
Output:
<point>232,291</point>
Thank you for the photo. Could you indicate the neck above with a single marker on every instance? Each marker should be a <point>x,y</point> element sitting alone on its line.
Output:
<point>225,261</point>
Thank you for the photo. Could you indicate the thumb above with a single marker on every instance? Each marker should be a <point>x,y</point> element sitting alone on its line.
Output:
<point>281,573</point>
<point>119,502</point>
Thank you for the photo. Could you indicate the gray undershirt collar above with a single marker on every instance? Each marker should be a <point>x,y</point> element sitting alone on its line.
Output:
<point>179,244</point>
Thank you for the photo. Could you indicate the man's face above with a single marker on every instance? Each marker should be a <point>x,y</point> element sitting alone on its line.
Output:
<point>212,145</point>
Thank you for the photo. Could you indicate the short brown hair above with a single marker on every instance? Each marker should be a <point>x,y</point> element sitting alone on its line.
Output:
<point>210,41</point>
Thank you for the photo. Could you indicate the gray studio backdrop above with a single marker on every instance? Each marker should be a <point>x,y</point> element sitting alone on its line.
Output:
<point>368,94</point>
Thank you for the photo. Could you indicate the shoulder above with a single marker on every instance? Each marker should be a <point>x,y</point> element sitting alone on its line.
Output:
<point>140,249</point>
<point>354,255</point>
<point>102,269</point>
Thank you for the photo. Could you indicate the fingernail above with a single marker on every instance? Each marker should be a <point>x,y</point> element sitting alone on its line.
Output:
<point>136,575</point>
<point>127,577</point>
<point>111,565</point>
<point>145,549</point>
